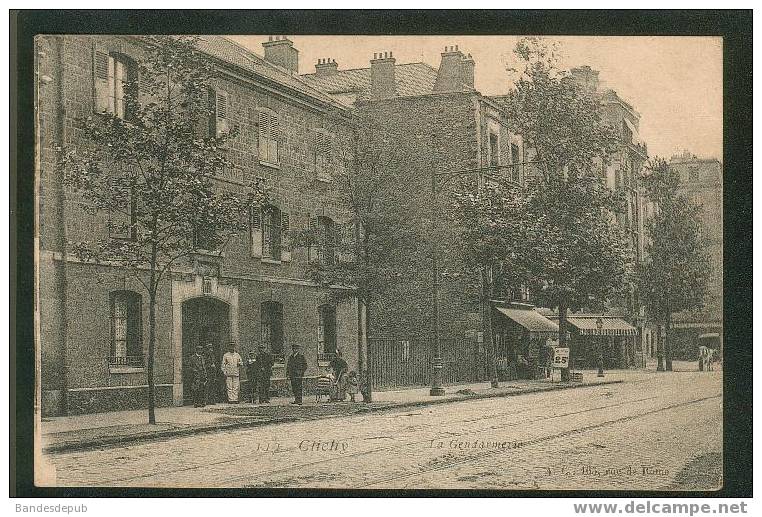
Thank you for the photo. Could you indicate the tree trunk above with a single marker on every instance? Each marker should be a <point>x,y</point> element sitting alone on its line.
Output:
<point>659,350</point>
<point>366,378</point>
<point>668,342</point>
<point>562,339</point>
<point>151,339</point>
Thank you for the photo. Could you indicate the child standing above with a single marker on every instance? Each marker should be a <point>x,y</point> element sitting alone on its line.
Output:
<point>353,385</point>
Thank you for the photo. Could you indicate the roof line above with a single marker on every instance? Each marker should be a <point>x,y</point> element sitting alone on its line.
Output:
<point>368,68</point>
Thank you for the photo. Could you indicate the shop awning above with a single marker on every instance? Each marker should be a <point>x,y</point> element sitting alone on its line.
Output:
<point>711,335</point>
<point>530,320</point>
<point>610,326</point>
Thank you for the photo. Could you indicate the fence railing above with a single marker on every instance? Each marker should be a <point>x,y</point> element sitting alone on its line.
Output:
<point>398,362</point>
<point>129,361</point>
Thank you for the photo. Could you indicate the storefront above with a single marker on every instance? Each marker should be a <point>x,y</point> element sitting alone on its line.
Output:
<point>524,340</point>
<point>610,337</point>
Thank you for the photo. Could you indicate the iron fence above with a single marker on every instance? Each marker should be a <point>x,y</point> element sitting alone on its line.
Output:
<point>396,362</point>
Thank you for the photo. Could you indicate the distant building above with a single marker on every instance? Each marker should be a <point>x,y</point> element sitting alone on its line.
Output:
<point>622,173</point>
<point>701,181</point>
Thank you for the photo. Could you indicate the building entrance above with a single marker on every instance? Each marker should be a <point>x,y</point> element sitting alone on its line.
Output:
<point>205,320</point>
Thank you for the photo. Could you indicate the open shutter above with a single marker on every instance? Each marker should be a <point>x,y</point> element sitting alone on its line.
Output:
<point>345,251</point>
<point>100,78</point>
<point>285,237</point>
<point>221,112</point>
<point>312,225</point>
<point>264,130</point>
<point>273,140</point>
<point>256,232</point>
<point>208,124</point>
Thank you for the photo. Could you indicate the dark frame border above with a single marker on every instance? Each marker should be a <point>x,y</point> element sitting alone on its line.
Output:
<point>735,26</point>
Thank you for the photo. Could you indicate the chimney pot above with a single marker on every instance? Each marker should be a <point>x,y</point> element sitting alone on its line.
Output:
<point>279,50</point>
<point>382,76</point>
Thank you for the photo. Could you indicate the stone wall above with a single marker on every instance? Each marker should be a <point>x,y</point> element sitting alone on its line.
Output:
<point>74,297</point>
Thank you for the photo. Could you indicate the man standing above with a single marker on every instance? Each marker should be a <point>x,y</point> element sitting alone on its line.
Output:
<point>231,368</point>
<point>295,369</point>
<point>212,381</point>
<point>252,374</point>
<point>265,363</point>
<point>198,372</point>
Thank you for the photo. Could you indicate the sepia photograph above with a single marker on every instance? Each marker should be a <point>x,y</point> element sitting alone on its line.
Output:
<point>384,262</point>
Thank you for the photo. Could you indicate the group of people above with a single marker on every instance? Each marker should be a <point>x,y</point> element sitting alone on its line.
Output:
<point>705,358</point>
<point>259,368</point>
<point>342,380</point>
<point>207,375</point>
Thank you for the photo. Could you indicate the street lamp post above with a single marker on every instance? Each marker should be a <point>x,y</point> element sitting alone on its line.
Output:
<point>599,325</point>
<point>437,363</point>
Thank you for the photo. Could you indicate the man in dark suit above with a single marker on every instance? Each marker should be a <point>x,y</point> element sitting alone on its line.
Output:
<point>264,372</point>
<point>198,372</point>
<point>295,368</point>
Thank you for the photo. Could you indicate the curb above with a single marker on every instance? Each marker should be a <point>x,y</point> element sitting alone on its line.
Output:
<point>190,430</point>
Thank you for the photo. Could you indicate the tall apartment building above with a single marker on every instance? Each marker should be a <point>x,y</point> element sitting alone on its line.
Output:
<point>434,120</point>
<point>94,318</point>
<point>622,172</point>
<point>701,181</point>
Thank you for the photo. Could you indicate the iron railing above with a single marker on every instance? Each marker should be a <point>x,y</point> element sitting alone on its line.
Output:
<point>129,361</point>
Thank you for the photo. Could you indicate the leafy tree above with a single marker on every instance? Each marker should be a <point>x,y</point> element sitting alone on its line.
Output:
<point>676,271</point>
<point>576,257</point>
<point>496,229</point>
<point>154,173</point>
<point>368,253</point>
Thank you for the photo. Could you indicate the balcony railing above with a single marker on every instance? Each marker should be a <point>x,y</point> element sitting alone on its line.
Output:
<point>129,361</point>
<point>326,356</point>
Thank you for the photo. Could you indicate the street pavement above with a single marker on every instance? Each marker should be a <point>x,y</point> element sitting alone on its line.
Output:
<point>654,431</point>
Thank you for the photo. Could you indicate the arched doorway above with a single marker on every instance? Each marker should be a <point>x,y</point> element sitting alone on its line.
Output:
<point>205,320</point>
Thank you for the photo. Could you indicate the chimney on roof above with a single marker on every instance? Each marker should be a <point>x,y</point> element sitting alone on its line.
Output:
<point>325,67</point>
<point>279,50</point>
<point>382,80</point>
<point>450,76</point>
<point>586,78</point>
<point>467,69</point>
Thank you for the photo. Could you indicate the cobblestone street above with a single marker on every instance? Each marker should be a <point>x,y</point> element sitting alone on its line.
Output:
<point>654,431</point>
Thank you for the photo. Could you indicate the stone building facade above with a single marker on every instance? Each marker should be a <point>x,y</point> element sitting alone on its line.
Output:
<point>94,318</point>
<point>434,120</point>
<point>701,181</point>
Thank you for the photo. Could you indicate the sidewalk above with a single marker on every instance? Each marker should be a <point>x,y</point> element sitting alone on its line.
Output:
<point>61,434</point>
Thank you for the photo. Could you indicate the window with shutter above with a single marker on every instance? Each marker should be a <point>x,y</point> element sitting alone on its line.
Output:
<point>271,234</point>
<point>256,231</point>
<point>268,137</point>
<point>123,224</point>
<point>326,245</point>
<point>515,160</point>
<point>126,329</point>
<point>285,237</point>
<point>221,102</point>
<point>271,316</point>
<point>323,156</point>
<point>112,73</point>
<point>100,79</point>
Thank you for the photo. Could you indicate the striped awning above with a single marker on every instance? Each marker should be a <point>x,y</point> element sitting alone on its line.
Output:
<point>610,326</point>
<point>530,320</point>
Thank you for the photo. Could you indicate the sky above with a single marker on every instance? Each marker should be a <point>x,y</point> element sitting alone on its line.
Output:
<point>674,82</point>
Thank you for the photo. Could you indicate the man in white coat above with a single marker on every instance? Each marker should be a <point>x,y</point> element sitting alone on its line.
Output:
<point>231,368</point>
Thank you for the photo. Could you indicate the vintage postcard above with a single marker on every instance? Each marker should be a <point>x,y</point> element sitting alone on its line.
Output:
<point>379,262</point>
